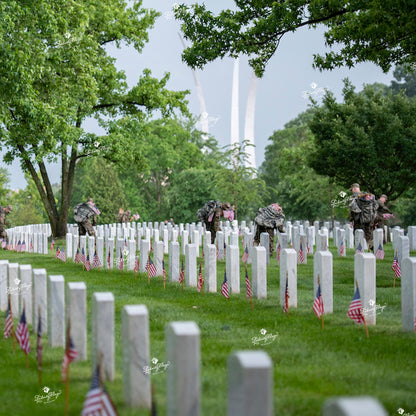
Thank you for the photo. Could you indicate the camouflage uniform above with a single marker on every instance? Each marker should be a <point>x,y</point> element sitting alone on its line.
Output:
<point>3,212</point>
<point>124,216</point>
<point>85,218</point>
<point>382,209</point>
<point>363,207</point>
<point>267,219</point>
<point>210,214</point>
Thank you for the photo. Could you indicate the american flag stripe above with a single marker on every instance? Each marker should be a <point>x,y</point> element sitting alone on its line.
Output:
<point>8,323</point>
<point>224,287</point>
<point>380,252</point>
<point>245,255</point>
<point>286,301</point>
<point>249,293</point>
<point>318,305</point>
<point>355,309</point>
<point>22,334</point>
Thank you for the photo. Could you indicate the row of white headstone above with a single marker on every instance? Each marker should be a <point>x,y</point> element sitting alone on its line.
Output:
<point>249,373</point>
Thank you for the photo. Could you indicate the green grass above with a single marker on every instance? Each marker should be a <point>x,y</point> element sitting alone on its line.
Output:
<point>310,365</point>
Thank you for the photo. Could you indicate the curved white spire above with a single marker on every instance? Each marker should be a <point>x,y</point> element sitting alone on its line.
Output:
<point>249,123</point>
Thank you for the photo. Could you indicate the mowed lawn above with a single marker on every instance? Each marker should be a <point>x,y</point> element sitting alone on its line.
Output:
<point>310,364</point>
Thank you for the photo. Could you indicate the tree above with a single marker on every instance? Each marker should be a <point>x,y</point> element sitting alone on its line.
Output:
<point>55,73</point>
<point>237,183</point>
<point>4,180</point>
<point>189,192</point>
<point>169,147</point>
<point>407,74</point>
<point>369,139</point>
<point>290,181</point>
<point>380,31</point>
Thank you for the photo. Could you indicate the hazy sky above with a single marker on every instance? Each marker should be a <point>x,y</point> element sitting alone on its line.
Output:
<point>280,93</point>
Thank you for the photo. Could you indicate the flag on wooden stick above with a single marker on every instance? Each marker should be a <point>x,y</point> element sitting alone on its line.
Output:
<point>224,287</point>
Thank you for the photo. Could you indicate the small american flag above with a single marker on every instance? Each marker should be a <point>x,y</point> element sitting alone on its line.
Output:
<point>224,287</point>
<point>286,302</point>
<point>31,246</point>
<point>396,266</point>
<point>121,262</point>
<point>39,348</point>
<point>164,272</point>
<point>414,324</point>
<point>8,323</point>
<point>77,257</point>
<point>380,252</point>
<point>359,249</point>
<point>52,244</point>
<point>95,261</point>
<point>83,259</point>
<point>70,355</point>
<point>57,252</point>
<point>150,267</point>
<point>318,304</point>
<point>22,334</point>
<point>98,402</point>
<point>249,293</point>
<point>200,279</point>
<point>87,263</point>
<point>61,254</point>
<point>342,248</point>
<point>181,274</point>
<point>301,257</point>
<point>355,310</point>
<point>23,247</point>
<point>3,243</point>
<point>245,255</point>
<point>19,246</point>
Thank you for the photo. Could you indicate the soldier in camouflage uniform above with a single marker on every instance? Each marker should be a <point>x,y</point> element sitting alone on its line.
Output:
<point>363,208</point>
<point>211,213</point>
<point>85,214</point>
<point>3,212</point>
<point>124,216</point>
<point>267,220</point>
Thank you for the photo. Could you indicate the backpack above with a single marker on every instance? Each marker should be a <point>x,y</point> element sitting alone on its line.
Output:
<point>82,212</point>
<point>207,210</point>
<point>368,206</point>
<point>269,217</point>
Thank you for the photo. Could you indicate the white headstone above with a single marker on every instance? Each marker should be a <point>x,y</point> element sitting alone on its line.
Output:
<point>259,272</point>
<point>190,265</point>
<point>409,294</point>
<point>25,288</point>
<point>288,268</point>
<point>56,311</point>
<point>365,275</point>
<point>322,267</point>
<point>183,378</point>
<point>174,261</point>
<point>136,374</point>
<point>13,286</point>
<point>353,406</point>
<point>211,268</point>
<point>233,268</point>
<point>102,336</point>
<point>4,284</point>
<point>76,311</point>
<point>250,384</point>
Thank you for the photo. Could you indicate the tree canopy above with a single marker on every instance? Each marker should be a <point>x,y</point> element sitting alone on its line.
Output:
<point>369,139</point>
<point>55,73</point>
<point>380,31</point>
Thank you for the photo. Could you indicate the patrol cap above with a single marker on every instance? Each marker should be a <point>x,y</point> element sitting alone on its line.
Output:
<point>384,196</point>
<point>355,185</point>
<point>9,208</point>
<point>226,205</point>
